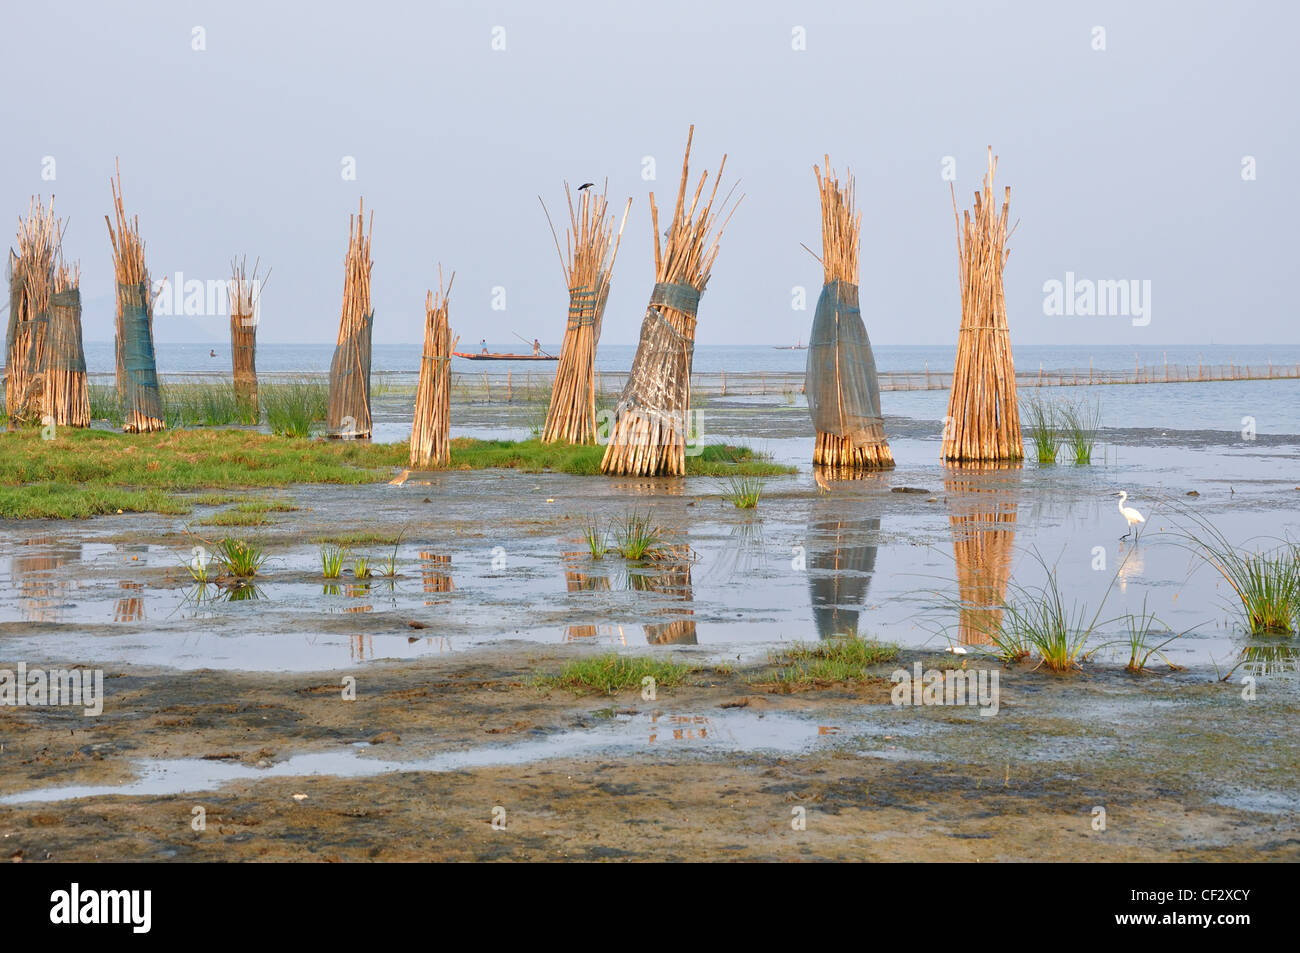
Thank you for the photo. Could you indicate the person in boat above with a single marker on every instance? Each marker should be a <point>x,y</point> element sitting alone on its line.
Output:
<point>537,347</point>
<point>212,353</point>
<point>483,345</point>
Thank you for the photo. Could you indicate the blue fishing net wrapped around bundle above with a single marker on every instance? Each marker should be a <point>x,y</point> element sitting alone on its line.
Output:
<point>141,394</point>
<point>841,382</point>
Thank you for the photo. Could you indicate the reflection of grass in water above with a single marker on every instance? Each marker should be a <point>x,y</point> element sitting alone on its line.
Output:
<point>839,660</point>
<point>610,674</point>
<point>1268,659</point>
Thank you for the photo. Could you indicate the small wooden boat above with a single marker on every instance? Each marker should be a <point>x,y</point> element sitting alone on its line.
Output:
<point>790,347</point>
<point>504,357</point>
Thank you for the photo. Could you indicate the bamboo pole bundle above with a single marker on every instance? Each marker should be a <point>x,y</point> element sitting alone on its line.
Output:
<point>841,381</point>
<point>31,280</point>
<point>430,445</point>
<point>649,432</point>
<point>65,395</point>
<point>591,249</point>
<point>983,421</point>
<point>137,370</point>
<point>245,292</point>
<point>349,404</point>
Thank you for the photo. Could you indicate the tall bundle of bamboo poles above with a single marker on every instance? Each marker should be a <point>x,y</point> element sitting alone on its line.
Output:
<point>349,404</point>
<point>65,395</point>
<point>649,432</point>
<point>591,249</point>
<point>983,417</point>
<point>137,370</point>
<point>430,445</point>
<point>245,290</point>
<point>31,282</point>
<point>841,382</point>
<point>983,543</point>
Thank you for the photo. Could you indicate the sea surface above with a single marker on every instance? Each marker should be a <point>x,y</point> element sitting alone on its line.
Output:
<point>196,358</point>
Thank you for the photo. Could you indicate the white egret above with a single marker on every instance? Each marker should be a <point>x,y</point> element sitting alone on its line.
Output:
<point>1130,514</point>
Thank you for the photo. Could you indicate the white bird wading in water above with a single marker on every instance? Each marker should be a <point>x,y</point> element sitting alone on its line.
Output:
<point>1130,514</point>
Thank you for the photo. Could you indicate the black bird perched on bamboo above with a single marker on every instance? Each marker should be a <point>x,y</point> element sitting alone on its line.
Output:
<point>585,185</point>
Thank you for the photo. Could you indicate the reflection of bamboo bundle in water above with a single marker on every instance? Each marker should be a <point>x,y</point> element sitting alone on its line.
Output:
<point>357,591</point>
<point>435,570</point>
<point>983,539</point>
<point>577,581</point>
<point>38,592</point>
<point>361,645</point>
<point>672,578</point>
<point>129,608</point>
<point>839,573</point>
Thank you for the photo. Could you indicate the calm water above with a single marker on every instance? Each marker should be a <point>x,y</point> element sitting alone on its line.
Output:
<point>182,358</point>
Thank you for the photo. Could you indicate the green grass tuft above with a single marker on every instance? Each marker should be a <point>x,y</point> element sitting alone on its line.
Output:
<point>610,674</point>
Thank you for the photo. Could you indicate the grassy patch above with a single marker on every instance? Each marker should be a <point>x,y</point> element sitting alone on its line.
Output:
<point>217,499</point>
<point>533,456</point>
<point>294,406</point>
<point>610,674</point>
<point>191,459</point>
<point>838,661</point>
<point>52,500</point>
<point>266,506</point>
<point>236,517</point>
<point>638,538</point>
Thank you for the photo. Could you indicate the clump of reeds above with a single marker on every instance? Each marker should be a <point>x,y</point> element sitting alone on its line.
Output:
<point>1080,421</point>
<point>983,417</point>
<point>1266,584</point>
<point>239,558</point>
<point>638,537</point>
<point>245,292</point>
<point>137,371</point>
<point>596,537</point>
<point>591,249</point>
<point>744,492</point>
<point>1044,428</point>
<point>842,386</point>
<point>31,284</point>
<point>1138,638</point>
<point>331,560</point>
<point>294,405</point>
<point>430,443</point>
<point>648,433</point>
<point>1037,619</point>
<point>349,402</point>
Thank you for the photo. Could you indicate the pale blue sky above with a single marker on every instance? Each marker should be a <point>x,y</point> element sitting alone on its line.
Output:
<point>1124,163</point>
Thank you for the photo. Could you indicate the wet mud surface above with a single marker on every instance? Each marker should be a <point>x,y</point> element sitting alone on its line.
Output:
<point>231,700</point>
